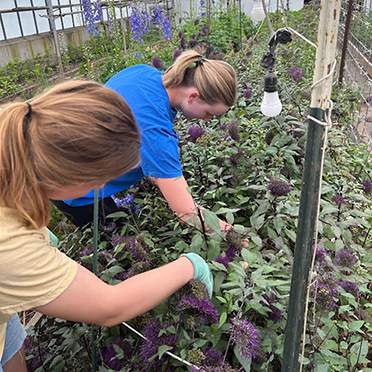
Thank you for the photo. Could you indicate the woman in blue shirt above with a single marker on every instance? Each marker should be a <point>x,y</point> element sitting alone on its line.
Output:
<point>198,87</point>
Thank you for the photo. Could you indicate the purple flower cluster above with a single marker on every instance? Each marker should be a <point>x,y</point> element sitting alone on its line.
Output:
<point>153,341</point>
<point>320,257</point>
<point>246,337</point>
<point>177,53</point>
<point>136,247</point>
<point>324,295</point>
<point>213,361</point>
<point>110,356</point>
<point>367,185</point>
<point>274,314</point>
<point>197,311</point>
<point>344,258</point>
<point>247,93</point>
<point>183,42</point>
<point>279,187</point>
<point>352,288</point>
<point>39,353</point>
<point>195,132</point>
<point>202,8</point>
<point>233,130</point>
<point>92,11</point>
<point>163,21</point>
<point>339,200</point>
<point>139,25</point>
<point>111,24</point>
<point>157,63</point>
<point>128,201</point>
<point>230,254</point>
<point>296,73</point>
<point>234,246</point>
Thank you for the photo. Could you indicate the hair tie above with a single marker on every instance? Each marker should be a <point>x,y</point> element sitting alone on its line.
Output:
<point>29,109</point>
<point>200,61</point>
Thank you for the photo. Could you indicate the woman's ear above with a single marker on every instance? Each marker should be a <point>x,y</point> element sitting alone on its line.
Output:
<point>193,94</point>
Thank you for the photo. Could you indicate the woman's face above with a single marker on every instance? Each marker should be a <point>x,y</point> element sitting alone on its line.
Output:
<point>195,108</point>
<point>72,192</point>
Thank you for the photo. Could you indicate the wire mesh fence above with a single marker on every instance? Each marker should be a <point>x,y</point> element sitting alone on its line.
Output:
<point>356,39</point>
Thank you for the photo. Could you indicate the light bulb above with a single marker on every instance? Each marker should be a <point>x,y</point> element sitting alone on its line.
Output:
<point>271,105</point>
<point>258,13</point>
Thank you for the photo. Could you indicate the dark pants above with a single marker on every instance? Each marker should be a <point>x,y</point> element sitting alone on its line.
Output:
<point>83,215</point>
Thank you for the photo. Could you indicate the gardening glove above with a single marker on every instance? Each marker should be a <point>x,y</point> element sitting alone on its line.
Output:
<point>201,271</point>
<point>53,239</point>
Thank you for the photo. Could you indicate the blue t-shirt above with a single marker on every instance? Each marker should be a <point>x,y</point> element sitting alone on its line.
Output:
<point>142,88</point>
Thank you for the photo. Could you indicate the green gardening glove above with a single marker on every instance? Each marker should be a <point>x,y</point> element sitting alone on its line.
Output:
<point>201,271</point>
<point>53,239</point>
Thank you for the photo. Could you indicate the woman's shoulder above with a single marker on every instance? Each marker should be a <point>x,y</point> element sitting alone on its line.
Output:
<point>11,226</point>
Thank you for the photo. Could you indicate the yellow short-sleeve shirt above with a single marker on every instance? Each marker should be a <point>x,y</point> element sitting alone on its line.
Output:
<point>32,272</point>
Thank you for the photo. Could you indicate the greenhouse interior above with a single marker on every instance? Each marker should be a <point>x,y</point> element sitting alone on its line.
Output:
<point>186,185</point>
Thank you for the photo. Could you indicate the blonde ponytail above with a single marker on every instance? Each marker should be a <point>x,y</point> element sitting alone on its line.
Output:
<point>214,79</point>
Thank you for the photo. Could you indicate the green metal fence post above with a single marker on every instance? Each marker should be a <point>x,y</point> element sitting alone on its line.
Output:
<point>310,193</point>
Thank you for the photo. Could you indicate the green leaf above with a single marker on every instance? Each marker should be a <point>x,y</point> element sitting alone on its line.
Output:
<point>243,361</point>
<point>211,220</point>
<point>223,318</point>
<point>218,280</point>
<point>356,326</point>
<point>257,240</point>
<point>248,256</point>
<point>221,299</point>
<point>322,368</point>
<point>214,249</point>
<point>230,218</point>
<point>163,349</point>
<point>196,244</point>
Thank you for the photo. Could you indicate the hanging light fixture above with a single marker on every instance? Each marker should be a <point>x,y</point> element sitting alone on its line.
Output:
<point>258,13</point>
<point>271,105</point>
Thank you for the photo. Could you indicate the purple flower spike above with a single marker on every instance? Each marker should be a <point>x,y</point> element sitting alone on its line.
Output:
<point>296,73</point>
<point>367,186</point>
<point>325,296</point>
<point>247,93</point>
<point>246,337</point>
<point>352,288</point>
<point>195,132</point>
<point>234,130</point>
<point>156,62</point>
<point>152,343</point>
<point>279,187</point>
<point>338,200</point>
<point>109,355</point>
<point>345,258</point>
<point>177,53</point>
<point>274,314</point>
<point>224,260</point>
<point>197,311</point>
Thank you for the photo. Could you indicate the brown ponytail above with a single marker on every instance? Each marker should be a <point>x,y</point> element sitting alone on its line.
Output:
<point>74,134</point>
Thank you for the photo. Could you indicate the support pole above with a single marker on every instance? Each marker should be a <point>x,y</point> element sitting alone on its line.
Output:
<point>346,41</point>
<point>52,23</point>
<point>310,193</point>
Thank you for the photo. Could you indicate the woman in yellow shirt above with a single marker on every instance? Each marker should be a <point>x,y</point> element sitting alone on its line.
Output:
<point>64,143</point>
